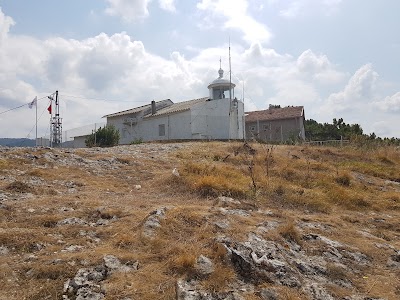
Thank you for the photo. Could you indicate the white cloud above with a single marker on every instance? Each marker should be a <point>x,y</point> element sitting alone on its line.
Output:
<point>309,62</point>
<point>134,10</point>
<point>296,8</point>
<point>360,90</point>
<point>168,5</point>
<point>319,68</point>
<point>236,16</point>
<point>128,10</point>
<point>5,23</point>
<point>118,67</point>
<point>390,104</point>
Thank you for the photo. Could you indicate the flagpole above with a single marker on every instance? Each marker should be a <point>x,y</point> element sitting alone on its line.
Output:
<point>36,124</point>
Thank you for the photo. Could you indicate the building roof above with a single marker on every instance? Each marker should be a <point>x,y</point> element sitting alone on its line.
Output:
<point>178,107</point>
<point>270,114</point>
<point>159,104</point>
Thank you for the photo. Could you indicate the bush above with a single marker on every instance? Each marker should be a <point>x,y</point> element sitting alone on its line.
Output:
<point>136,141</point>
<point>343,179</point>
<point>107,136</point>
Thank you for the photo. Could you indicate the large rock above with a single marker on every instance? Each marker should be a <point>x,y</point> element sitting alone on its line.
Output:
<point>86,285</point>
<point>204,266</point>
<point>114,265</point>
<point>190,290</point>
<point>258,261</point>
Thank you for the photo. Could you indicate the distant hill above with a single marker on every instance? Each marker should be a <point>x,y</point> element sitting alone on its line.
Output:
<point>18,142</point>
<point>24,142</point>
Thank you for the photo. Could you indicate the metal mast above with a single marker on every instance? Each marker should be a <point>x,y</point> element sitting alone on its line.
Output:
<point>230,71</point>
<point>56,123</point>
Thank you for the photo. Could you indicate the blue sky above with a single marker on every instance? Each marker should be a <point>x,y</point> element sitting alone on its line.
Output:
<point>337,58</point>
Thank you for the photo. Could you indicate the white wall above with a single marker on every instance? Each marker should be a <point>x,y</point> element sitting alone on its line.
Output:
<point>177,127</point>
<point>79,141</point>
<point>215,119</point>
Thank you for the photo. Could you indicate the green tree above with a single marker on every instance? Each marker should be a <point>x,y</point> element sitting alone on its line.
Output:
<point>107,136</point>
<point>335,131</point>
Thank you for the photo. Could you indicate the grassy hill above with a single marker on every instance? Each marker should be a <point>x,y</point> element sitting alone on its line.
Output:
<point>200,220</point>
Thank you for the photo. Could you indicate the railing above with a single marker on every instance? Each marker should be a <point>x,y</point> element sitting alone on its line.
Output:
<point>328,142</point>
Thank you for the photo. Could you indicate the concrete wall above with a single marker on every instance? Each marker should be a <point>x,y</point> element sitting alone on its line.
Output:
<point>276,130</point>
<point>79,141</point>
<point>128,132</point>
<point>215,119</point>
<point>176,125</point>
<point>218,119</point>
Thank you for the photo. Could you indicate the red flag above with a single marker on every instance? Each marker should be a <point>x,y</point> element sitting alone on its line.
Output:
<point>49,108</point>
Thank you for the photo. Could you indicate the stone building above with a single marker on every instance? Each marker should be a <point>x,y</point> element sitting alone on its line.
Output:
<point>276,124</point>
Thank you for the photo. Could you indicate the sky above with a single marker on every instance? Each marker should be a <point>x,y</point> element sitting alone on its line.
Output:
<point>337,58</point>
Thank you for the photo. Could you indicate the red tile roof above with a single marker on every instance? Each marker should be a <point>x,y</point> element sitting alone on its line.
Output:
<point>275,114</point>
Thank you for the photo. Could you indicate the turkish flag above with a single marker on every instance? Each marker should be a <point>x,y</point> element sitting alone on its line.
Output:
<point>49,108</point>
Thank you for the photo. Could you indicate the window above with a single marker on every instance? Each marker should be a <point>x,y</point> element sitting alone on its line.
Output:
<point>252,128</point>
<point>161,130</point>
<point>266,126</point>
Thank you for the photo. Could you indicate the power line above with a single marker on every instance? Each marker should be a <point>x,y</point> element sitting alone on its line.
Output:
<point>3,112</point>
<point>27,136</point>
<point>106,100</point>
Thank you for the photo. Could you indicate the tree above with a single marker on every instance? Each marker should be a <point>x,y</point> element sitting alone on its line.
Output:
<point>107,136</point>
<point>335,131</point>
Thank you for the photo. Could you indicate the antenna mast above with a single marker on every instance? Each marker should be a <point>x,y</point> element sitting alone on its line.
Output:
<point>230,71</point>
<point>55,123</point>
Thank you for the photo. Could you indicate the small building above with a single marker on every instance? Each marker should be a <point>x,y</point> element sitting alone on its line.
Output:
<point>80,141</point>
<point>276,124</point>
<point>219,116</point>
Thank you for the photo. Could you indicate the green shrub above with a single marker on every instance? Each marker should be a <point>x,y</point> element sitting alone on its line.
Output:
<point>107,136</point>
<point>136,141</point>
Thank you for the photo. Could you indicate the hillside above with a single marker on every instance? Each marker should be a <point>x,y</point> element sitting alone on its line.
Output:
<point>17,142</point>
<point>199,221</point>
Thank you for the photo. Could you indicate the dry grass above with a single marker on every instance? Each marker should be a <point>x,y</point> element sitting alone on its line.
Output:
<point>220,279</point>
<point>341,187</point>
<point>290,233</point>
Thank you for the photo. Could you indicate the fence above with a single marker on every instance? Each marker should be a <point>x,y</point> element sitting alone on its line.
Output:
<point>328,143</point>
<point>81,131</point>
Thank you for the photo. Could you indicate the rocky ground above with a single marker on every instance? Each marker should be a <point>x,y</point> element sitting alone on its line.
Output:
<point>118,223</point>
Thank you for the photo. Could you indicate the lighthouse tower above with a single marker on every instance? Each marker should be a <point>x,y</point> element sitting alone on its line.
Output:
<point>221,88</point>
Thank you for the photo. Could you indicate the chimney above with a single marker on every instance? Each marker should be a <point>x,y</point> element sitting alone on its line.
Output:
<point>153,107</point>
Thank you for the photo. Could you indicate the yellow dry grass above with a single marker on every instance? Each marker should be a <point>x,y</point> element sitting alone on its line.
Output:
<point>343,188</point>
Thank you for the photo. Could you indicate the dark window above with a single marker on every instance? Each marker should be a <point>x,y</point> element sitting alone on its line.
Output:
<point>161,130</point>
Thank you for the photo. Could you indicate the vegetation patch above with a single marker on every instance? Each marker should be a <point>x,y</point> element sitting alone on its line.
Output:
<point>19,187</point>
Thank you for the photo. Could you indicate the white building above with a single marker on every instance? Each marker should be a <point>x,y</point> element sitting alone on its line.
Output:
<point>219,116</point>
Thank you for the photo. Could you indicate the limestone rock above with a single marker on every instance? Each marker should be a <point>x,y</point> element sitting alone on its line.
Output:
<point>3,250</point>
<point>86,285</point>
<point>72,221</point>
<point>153,221</point>
<point>114,265</point>
<point>394,260</point>
<point>268,294</point>
<point>204,266</point>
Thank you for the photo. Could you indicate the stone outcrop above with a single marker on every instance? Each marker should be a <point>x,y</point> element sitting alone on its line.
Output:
<point>86,285</point>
